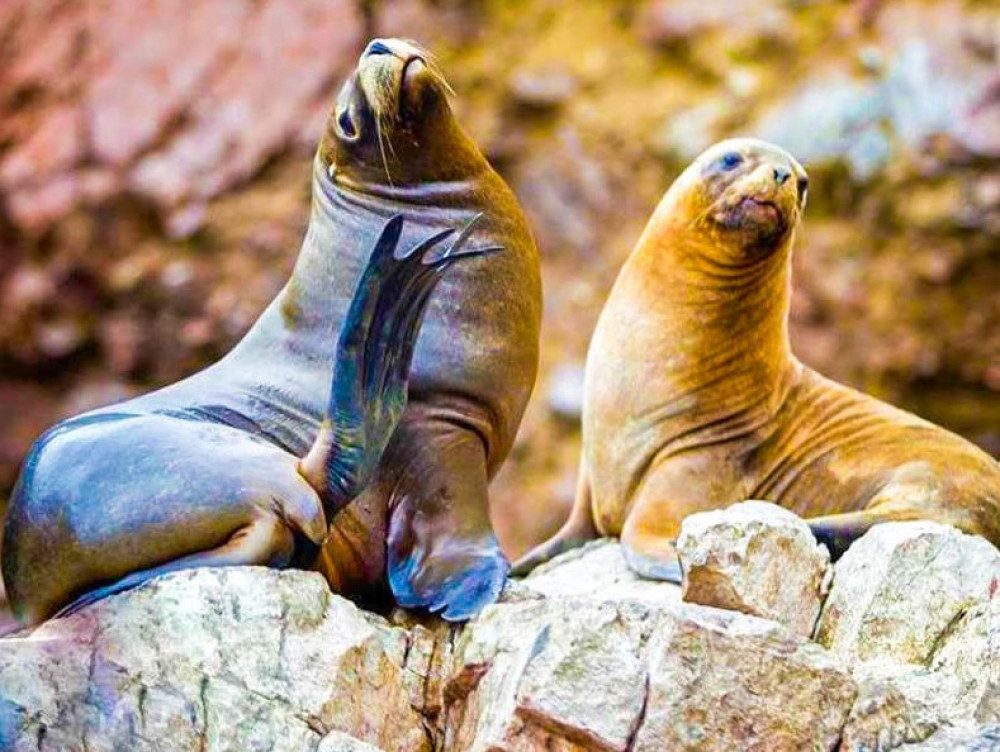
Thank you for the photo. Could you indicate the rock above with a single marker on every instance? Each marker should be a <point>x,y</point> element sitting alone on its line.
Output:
<point>606,661</point>
<point>901,586</point>
<point>971,654</point>
<point>524,677</point>
<point>757,558</point>
<point>888,712</point>
<point>724,681</point>
<point>567,194</point>
<point>337,741</point>
<point>174,101</point>
<point>927,90</point>
<point>598,571</point>
<point>902,703</point>
<point>664,22</point>
<point>574,673</point>
<point>288,54</point>
<point>157,73</point>
<point>964,739</point>
<point>686,134</point>
<point>217,659</point>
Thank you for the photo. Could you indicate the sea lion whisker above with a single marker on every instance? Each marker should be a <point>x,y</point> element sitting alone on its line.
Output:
<point>381,150</point>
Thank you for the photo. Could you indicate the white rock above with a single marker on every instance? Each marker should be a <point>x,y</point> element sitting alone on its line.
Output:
<point>724,681</point>
<point>970,652</point>
<point>898,706</point>
<point>548,672</point>
<point>338,741</point>
<point>580,674</point>
<point>757,558</point>
<point>961,739</point>
<point>213,659</point>
<point>598,571</point>
<point>900,586</point>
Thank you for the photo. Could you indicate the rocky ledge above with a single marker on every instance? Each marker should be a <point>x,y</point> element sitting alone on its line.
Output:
<point>897,645</point>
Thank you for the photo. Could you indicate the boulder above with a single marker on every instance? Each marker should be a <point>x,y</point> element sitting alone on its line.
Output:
<point>212,659</point>
<point>598,571</point>
<point>580,655</point>
<point>757,558</point>
<point>970,654</point>
<point>587,656</point>
<point>900,587</point>
<point>724,681</point>
<point>984,738</point>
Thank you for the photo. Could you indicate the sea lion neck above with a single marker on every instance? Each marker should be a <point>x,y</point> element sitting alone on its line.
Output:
<point>331,196</point>
<point>724,322</point>
<point>341,229</point>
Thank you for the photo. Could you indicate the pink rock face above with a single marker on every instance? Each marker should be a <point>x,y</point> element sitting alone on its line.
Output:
<point>173,100</point>
<point>150,60</point>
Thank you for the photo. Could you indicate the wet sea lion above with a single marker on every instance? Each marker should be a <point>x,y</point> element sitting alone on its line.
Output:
<point>196,475</point>
<point>393,145</point>
<point>694,400</point>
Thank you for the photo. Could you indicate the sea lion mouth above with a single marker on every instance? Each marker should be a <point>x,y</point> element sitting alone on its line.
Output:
<point>743,212</point>
<point>762,210</point>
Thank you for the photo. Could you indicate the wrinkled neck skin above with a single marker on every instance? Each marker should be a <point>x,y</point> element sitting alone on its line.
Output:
<point>724,320</point>
<point>345,220</point>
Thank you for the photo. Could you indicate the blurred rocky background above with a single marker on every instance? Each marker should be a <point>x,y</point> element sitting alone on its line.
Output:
<point>154,182</point>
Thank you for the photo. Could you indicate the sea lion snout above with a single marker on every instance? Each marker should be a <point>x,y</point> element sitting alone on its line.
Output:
<point>392,125</point>
<point>750,188</point>
<point>393,74</point>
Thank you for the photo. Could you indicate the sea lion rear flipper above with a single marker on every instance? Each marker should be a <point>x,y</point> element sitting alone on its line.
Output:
<point>577,530</point>
<point>373,358</point>
<point>442,554</point>
<point>266,541</point>
<point>838,531</point>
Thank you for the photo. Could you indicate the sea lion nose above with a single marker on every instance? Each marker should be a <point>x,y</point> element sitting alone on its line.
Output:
<point>803,186</point>
<point>376,47</point>
<point>781,175</point>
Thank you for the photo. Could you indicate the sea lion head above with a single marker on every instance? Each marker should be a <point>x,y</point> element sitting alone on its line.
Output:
<point>746,195</point>
<point>392,124</point>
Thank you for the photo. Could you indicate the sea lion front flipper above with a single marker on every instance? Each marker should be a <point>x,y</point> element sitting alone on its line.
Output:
<point>368,393</point>
<point>675,488</point>
<point>652,558</point>
<point>577,530</point>
<point>442,554</point>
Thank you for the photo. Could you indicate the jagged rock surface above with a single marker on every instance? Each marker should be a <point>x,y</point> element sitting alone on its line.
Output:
<point>581,655</point>
<point>757,558</point>
<point>216,659</point>
<point>901,586</point>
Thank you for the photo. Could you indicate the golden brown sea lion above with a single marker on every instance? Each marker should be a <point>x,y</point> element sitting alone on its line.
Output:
<point>694,400</point>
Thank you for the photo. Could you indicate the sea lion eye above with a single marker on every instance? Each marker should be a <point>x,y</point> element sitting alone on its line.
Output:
<point>346,124</point>
<point>730,161</point>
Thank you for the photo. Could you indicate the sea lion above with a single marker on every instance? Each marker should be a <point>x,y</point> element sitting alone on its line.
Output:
<point>391,147</point>
<point>197,475</point>
<point>694,400</point>
<point>394,145</point>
